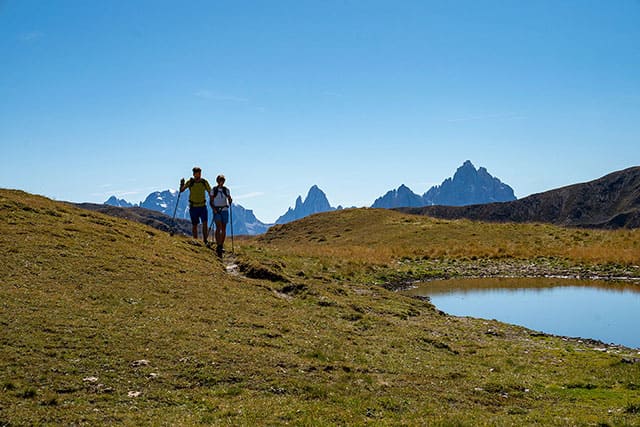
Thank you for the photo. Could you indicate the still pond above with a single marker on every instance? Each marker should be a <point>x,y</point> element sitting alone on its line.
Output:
<point>605,311</point>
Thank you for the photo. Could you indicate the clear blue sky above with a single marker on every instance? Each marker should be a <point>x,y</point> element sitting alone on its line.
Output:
<point>124,97</point>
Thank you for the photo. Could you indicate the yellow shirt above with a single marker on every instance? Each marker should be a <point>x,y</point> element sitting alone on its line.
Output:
<point>197,191</point>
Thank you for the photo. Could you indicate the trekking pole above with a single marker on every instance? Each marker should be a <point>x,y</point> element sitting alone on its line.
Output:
<point>231,219</point>
<point>173,220</point>
<point>213,213</point>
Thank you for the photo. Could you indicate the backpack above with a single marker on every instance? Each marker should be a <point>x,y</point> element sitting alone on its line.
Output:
<point>216,191</point>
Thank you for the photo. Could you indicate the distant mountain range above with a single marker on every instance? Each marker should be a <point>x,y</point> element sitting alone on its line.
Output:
<point>244,221</point>
<point>119,203</point>
<point>612,201</point>
<point>609,202</point>
<point>468,186</point>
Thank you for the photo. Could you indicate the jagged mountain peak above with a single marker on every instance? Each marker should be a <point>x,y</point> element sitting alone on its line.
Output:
<point>466,172</point>
<point>121,203</point>
<point>402,197</point>
<point>467,186</point>
<point>315,193</point>
<point>315,202</point>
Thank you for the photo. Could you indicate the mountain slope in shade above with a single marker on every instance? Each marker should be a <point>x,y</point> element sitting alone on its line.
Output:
<point>612,201</point>
<point>315,202</point>
<point>148,217</point>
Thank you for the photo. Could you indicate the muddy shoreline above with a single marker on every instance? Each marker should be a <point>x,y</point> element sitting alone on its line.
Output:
<point>409,272</point>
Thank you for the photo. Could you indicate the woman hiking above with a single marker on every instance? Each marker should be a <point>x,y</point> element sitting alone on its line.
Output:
<point>220,199</point>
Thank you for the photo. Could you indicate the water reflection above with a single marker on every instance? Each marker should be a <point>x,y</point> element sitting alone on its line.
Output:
<point>600,310</point>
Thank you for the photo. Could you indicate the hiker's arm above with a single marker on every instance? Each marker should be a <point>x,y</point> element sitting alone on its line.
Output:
<point>183,185</point>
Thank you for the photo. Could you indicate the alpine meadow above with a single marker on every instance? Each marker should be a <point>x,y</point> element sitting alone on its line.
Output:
<point>104,324</point>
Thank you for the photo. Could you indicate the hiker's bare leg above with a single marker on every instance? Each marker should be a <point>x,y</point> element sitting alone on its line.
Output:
<point>205,231</point>
<point>223,233</point>
<point>219,229</point>
<point>194,230</point>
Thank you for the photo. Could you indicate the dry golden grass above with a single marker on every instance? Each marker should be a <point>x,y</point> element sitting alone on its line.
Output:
<point>380,236</point>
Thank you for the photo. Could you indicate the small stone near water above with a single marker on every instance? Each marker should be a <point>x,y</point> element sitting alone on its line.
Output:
<point>630,360</point>
<point>90,379</point>
<point>134,393</point>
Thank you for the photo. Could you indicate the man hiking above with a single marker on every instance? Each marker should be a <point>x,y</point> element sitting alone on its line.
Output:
<point>220,200</point>
<point>198,187</point>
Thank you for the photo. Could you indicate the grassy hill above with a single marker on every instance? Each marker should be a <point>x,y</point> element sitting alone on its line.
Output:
<point>109,321</point>
<point>392,248</point>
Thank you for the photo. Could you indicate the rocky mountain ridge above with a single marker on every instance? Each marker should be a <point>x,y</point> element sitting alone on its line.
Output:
<point>468,186</point>
<point>315,202</point>
<point>612,201</point>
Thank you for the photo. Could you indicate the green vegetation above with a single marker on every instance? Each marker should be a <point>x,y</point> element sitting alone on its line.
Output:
<point>108,321</point>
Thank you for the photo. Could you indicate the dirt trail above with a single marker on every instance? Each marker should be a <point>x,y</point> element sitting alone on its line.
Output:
<point>229,260</point>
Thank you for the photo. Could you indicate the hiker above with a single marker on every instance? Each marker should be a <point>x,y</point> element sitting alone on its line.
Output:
<point>220,199</point>
<point>198,187</point>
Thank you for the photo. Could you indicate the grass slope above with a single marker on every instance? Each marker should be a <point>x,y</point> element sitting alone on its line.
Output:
<point>108,321</point>
<point>390,248</point>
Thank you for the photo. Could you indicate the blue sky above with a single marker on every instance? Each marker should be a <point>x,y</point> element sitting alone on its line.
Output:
<point>358,97</point>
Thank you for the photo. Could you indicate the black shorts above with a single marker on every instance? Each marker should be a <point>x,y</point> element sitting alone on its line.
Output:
<point>197,214</point>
